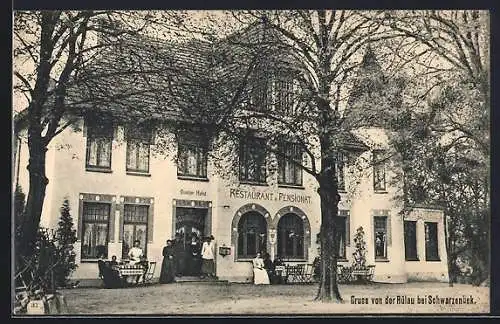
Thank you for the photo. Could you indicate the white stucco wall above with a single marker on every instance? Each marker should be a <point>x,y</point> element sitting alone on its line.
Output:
<point>69,178</point>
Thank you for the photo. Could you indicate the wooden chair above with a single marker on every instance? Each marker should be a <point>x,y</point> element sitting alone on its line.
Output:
<point>308,273</point>
<point>295,273</point>
<point>150,272</point>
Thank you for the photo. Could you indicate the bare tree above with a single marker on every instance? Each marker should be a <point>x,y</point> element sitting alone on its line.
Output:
<point>50,50</point>
<point>317,53</point>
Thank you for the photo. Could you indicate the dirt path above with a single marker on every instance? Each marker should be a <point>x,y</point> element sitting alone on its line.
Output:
<point>249,299</point>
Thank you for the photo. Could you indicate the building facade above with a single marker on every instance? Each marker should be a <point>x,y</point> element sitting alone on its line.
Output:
<point>128,183</point>
<point>120,189</point>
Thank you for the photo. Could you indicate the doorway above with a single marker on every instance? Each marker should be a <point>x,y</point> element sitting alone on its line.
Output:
<point>189,221</point>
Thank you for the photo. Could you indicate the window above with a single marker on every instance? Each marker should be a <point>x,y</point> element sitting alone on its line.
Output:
<point>342,235</point>
<point>431,242</point>
<point>410,228</point>
<point>95,230</point>
<point>291,237</point>
<point>252,235</point>
<point>192,156</point>
<point>380,224</point>
<point>260,93</point>
<point>340,171</point>
<point>99,140</point>
<point>138,144</point>
<point>253,160</point>
<point>284,90</point>
<point>289,172</point>
<point>378,171</point>
<point>135,227</point>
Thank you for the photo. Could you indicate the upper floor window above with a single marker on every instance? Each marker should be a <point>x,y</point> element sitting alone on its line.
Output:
<point>410,229</point>
<point>431,241</point>
<point>99,142</point>
<point>273,90</point>
<point>95,225</point>
<point>138,149</point>
<point>284,87</point>
<point>378,171</point>
<point>380,229</point>
<point>253,159</point>
<point>260,93</point>
<point>192,155</point>
<point>289,173</point>
<point>290,236</point>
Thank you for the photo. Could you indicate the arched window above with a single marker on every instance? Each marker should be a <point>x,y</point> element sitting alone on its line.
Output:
<point>252,234</point>
<point>290,236</point>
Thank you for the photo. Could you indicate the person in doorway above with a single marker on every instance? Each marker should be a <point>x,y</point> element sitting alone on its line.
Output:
<point>260,276</point>
<point>269,267</point>
<point>207,258</point>
<point>179,255</point>
<point>194,254</point>
<point>278,264</point>
<point>167,273</point>
<point>135,253</point>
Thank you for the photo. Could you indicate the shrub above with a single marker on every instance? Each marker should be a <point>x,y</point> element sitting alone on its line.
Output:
<point>65,238</point>
<point>359,255</point>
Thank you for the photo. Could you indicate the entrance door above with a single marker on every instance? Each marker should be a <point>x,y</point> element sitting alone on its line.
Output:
<point>187,222</point>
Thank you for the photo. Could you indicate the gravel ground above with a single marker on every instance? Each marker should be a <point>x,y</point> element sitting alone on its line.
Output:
<point>227,298</point>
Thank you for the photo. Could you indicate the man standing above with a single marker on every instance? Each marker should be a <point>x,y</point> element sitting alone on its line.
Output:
<point>207,258</point>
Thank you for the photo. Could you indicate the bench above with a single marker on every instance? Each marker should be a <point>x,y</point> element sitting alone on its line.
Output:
<point>350,274</point>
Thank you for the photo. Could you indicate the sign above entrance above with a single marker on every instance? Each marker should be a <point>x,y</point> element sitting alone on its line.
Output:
<point>193,192</point>
<point>269,196</point>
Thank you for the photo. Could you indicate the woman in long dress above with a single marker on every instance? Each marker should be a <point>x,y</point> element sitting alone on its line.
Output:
<point>167,273</point>
<point>260,276</point>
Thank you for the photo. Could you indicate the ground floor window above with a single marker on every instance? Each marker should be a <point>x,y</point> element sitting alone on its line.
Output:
<point>431,242</point>
<point>95,225</point>
<point>380,228</point>
<point>342,235</point>
<point>135,227</point>
<point>410,229</point>
<point>252,234</point>
<point>290,236</point>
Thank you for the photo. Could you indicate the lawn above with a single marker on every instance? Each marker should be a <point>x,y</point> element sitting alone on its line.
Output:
<point>227,298</point>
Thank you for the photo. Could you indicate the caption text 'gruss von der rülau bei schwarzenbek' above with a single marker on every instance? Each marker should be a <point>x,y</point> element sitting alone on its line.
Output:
<point>424,299</point>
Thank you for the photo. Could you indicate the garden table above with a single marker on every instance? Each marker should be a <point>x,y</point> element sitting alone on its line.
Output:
<point>129,270</point>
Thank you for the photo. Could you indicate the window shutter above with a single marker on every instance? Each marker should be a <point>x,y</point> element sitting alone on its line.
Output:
<point>348,230</point>
<point>150,223</point>
<point>389,234</point>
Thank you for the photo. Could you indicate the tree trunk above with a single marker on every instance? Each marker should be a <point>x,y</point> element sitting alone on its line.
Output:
<point>36,194</point>
<point>328,289</point>
<point>447,241</point>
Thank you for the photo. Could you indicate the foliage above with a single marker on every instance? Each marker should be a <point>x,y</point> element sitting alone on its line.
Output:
<point>65,237</point>
<point>359,255</point>
<point>34,273</point>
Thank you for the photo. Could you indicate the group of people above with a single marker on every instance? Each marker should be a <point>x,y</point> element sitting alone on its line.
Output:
<point>135,257</point>
<point>264,269</point>
<point>193,258</point>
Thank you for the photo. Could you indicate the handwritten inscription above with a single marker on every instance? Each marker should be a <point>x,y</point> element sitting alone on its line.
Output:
<point>269,196</point>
